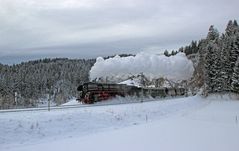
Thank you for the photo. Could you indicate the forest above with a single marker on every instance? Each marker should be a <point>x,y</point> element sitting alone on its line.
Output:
<point>30,81</point>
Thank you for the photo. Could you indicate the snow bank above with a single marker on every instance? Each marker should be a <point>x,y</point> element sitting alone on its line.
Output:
<point>153,66</point>
<point>71,102</point>
<point>223,97</point>
<point>184,124</point>
<point>36,127</point>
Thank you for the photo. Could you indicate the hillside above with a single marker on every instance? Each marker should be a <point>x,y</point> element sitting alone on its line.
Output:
<point>33,81</point>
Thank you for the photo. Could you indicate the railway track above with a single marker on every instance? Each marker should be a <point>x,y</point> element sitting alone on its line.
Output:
<point>67,107</point>
<point>77,106</point>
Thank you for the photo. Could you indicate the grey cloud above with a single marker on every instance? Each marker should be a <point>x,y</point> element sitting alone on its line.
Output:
<point>34,29</point>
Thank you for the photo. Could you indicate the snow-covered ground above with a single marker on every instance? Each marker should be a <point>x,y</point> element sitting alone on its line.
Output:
<point>71,102</point>
<point>191,123</point>
<point>131,82</point>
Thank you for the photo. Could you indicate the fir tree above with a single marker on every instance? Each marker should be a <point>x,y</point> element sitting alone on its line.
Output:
<point>234,49</point>
<point>166,53</point>
<point>217,66</point>
<point>173,53</point>
<point>232,45</point>
<point>208,69</point>
<point>213,33</point>
<point>211,60</point>
<point>226,65</point>
<point>229,28</point>
<point>235,77</point>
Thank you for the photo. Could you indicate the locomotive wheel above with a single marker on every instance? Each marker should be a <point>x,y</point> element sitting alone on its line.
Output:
<point>95,98</point>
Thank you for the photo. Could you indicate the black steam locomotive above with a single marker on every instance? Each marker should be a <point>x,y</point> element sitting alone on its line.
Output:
<point>93,92</point>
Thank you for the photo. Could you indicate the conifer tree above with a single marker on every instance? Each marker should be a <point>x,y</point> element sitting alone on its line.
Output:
<point>226,65</point>
<point>229,28</point>
<point>232,45</point>
<point>211,60</point>
<point>235,77</point>
<point>234,49</point>
<point>166,53</point>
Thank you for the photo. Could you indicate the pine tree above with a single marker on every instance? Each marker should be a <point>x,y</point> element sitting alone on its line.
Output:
<point>208,69</point>
<point>194,47</point>
<point>232,45</point>
<point>213,33</point>
<point>173,53</point>
<point>201,65</point>
<point>166,53</point>
<point>212,65</point>
<point>217,67</point>
<point>234,49</point>
<point>235,77</point>
<point>229,28</point>
<point>235,23</point>
<point>226,66</point>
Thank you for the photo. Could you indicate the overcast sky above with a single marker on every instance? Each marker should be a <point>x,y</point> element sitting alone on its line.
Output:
<point>31,29</point>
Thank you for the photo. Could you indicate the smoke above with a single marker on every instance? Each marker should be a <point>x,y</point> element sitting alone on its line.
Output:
<point>153,66</point>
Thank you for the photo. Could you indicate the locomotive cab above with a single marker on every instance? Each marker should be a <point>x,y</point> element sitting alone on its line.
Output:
<point>80,88</point>
<point>80,93</point>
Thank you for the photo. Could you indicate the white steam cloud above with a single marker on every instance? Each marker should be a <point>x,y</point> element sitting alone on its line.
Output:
<point>153,66</point>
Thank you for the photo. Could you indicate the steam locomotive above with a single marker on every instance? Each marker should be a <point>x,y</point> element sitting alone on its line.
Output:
<point>91,92</point>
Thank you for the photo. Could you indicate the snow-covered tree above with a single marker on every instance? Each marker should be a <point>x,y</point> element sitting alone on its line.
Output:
<point>213,34</point>
<point>235,77</point>
<point>166,53</point>
<point>226,65</point>
<point>230,51</point>
<point>212,64</point>
<point>234,49</point>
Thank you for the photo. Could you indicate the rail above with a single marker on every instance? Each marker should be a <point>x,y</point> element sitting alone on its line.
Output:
<point>84,105</point>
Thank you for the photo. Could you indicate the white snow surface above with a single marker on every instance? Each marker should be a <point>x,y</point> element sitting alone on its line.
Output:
<point>131,82</point>
<point>182,124</point>
<point>153,66</point>
<point>71,102</point>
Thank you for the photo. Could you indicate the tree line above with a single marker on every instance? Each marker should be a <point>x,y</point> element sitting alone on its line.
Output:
<point>218,54</point>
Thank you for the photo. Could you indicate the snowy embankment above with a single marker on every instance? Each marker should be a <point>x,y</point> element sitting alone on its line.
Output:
<point>191,123</point>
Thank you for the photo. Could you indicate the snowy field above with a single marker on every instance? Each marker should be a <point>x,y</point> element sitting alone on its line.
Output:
<point>181,124</point>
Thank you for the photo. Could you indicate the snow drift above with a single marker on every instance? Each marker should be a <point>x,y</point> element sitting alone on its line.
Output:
<point>153,66</point>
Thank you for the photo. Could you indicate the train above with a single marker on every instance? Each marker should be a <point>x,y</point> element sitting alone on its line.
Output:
<point>92,92</point>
